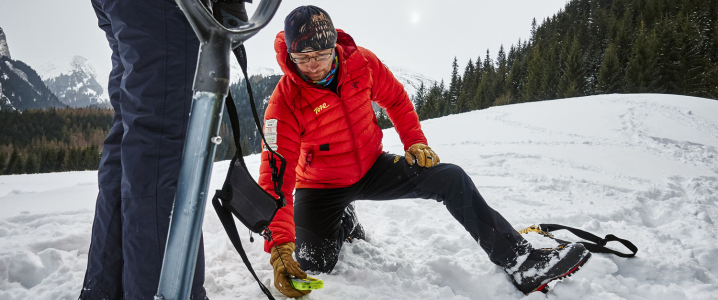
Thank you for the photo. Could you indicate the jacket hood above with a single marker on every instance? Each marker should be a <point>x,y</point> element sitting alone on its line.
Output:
<point>345,48</point>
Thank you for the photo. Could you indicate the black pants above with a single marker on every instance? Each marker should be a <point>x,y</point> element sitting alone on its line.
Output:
<point>318,212</point>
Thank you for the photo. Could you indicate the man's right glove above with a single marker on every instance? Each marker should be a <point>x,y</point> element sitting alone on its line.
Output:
<point>284,267</point>
<point>424,156</point>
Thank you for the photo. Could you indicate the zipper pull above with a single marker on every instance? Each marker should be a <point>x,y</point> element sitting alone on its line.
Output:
<point>310,156</point>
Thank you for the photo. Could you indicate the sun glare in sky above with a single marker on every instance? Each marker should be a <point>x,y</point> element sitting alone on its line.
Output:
<point>415,17</point>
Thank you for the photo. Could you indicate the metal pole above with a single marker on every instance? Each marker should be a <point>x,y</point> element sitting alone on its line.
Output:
<point>211,86</point>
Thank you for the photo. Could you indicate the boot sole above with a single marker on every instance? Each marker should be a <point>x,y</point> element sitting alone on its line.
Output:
<point>544,289</point>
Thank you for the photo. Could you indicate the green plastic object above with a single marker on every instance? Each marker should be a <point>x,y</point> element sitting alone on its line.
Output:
<point>310,283</point>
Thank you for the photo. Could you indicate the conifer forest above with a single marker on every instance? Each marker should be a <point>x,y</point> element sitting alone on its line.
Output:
<point>590,47</point>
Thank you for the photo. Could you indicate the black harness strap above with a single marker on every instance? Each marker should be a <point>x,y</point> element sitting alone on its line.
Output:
<point>223,207</point>
<point>277,174</point>
<point>225,216</point>
<point>596,244</point>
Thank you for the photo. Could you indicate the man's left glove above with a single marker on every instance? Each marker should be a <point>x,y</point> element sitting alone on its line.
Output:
<point>424,156</point>
<point>226,11</point>
<point>284,265</point>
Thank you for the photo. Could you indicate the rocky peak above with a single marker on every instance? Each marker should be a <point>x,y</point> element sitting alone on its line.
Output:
<point>76,86</point>
<point>4,50</point>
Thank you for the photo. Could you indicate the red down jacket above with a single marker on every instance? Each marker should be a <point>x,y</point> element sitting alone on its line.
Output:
<point>330,140</point>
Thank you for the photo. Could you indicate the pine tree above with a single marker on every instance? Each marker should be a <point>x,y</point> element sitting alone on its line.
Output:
<point>517,71</point>
<point>693,62</point>
<point>712,72</point>
<point>91,157</point>
<point>532,89</point>
<point>478,75</point>
<point>641,70</point>
<point>15,164</point>
<point>571,83</point>
<point>502,74</point>
<point>60,160</point>
<point>435,102</point>
<point>454,87</point>
<point>610,75</point>
<point>31,164</point>
<point>231,148</point>
<point>420,98</point>
<point>48,160</point>
<point>463,102</point>
<point>550,76</point>
<point>485,91</point>
<point>622,37</point>
<point>3,162</point>
<point>72,163</point>
<point>442,104</point>
<point>383,121</point>
<point>668,57</point>
<point>246,150</point>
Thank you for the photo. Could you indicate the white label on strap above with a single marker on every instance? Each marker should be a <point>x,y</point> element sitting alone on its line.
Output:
<point>271,138</point>
<point>274,147</point>
<point>270,134</point>
<point>271,123</point>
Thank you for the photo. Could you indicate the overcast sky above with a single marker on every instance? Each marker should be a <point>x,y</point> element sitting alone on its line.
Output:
<point>422,35</point>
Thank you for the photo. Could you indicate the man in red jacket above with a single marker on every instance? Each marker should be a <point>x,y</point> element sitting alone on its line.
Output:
<point>320,118</point>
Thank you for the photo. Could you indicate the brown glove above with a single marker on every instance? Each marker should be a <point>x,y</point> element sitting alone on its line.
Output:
<point>424,156</point>
<point>284,267</point>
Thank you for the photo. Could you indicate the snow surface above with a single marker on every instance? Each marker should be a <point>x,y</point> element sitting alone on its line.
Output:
<point>642,167</point>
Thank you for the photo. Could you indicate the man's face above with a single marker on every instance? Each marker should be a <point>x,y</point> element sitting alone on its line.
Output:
<point>318,65</point>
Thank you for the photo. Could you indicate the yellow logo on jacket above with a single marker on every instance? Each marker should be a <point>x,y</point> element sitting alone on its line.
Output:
<point>320,108</point>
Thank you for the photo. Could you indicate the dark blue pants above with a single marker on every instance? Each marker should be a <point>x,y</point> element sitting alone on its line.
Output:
<point>154,55</point>
<point>318,212</point>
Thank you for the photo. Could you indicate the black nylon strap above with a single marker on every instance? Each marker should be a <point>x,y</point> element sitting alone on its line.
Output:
<point>597,244</point>
<point>277,174</point>
<point>225,216</point>
<point>234,121</point>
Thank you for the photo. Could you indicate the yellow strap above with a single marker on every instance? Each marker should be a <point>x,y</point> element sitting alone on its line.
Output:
<point>536,229</point>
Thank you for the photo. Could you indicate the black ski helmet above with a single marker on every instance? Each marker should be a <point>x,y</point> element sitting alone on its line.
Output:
<point>309,28</point>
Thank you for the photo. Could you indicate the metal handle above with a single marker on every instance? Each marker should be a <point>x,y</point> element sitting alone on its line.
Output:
<point>204,24</point>
<point>216,41</point>
<point>211,86</point>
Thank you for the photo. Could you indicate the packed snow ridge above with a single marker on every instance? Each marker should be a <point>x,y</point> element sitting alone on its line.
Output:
<point>643,167</point>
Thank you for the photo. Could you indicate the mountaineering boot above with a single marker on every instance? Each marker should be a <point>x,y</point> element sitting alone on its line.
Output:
<point>542,266</point>
<point>350,224</point>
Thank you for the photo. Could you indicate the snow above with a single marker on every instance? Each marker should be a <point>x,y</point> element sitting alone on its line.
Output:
<point>65,65</point>
<point>75,66</point>
<point>643,167</point>
<point>410,79</point>
<point>18,72</point>
<point>236,71</point>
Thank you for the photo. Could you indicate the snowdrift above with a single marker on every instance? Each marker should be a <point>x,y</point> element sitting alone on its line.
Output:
<point>643,167</point>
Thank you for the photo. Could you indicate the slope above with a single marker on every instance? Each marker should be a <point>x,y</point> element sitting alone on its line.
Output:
<point>643,167</point>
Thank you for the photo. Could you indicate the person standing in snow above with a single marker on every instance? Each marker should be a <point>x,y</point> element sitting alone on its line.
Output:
<point>320,119</point>
<point>154,56</point>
